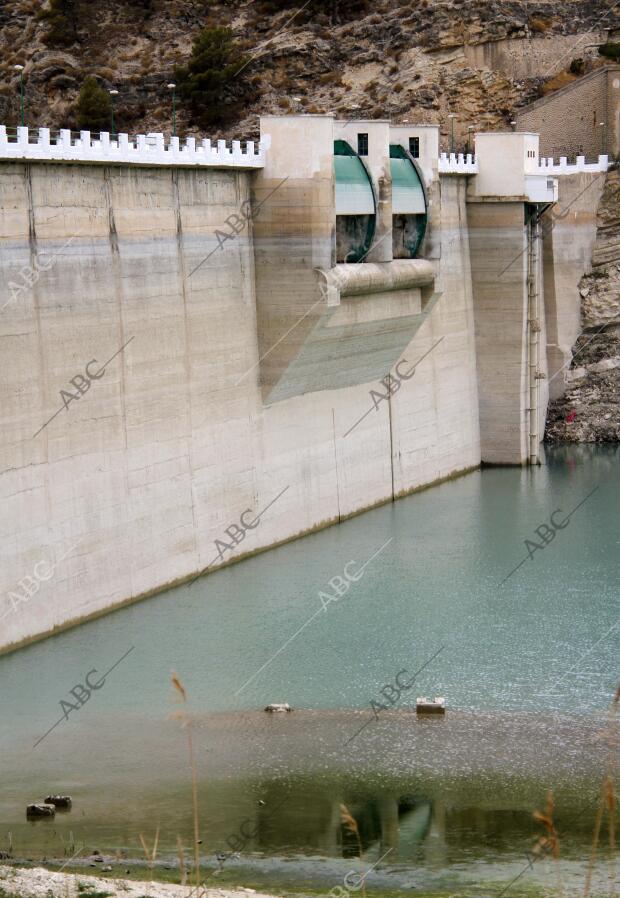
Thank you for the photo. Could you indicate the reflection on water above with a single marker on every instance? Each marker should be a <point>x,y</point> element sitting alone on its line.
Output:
<point>526,669</point>
<point>436,802</point>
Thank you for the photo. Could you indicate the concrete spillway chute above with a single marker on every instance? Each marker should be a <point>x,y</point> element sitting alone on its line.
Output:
<point>334,307</point>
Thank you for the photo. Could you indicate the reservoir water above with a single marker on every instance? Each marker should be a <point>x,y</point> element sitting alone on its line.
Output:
<point>527,659</point>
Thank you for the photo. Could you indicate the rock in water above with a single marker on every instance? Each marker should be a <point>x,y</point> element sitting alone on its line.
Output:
<point>59,801</point>
<point>278,706</point>
<point>40,810</point>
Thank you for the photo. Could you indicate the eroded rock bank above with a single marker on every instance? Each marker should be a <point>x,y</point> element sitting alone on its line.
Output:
<point>589,410</point>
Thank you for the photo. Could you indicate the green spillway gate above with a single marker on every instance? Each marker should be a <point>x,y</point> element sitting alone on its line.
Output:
<point>355,201</point>
<point>408,196</point>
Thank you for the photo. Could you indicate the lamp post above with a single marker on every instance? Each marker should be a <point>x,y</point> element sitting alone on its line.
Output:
<point>172,87</point>
<point>20,69</point>
<point>470,128</point>
<point>113,94</point>
<point>451,116</point>
<point>603,137</point>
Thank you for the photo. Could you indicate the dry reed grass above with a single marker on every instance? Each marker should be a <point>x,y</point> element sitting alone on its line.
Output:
<point>607,802</point>
<point>349,822</point>
<point>150,854</point>
<point>187,726</point>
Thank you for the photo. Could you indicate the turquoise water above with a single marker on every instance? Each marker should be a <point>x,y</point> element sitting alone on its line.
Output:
<point>526,663</point>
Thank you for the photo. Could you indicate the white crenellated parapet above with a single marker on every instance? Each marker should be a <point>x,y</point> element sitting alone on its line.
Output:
<point>144,149</point>
<point>457,164</point>
<point>563,167</point>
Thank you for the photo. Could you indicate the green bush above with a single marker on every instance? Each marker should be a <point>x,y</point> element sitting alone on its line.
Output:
<point>94,106</point>
<point>610,50</point>
<point>577,66</point>
<point>62,19</point>
<point>215,82</point>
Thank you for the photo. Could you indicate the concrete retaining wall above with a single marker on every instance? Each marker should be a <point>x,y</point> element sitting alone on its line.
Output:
<point>569,119</point>
<point>537,56</point>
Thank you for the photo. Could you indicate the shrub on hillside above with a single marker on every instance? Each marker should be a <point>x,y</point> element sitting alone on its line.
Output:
<point>555,83</point>
<point>94,106</point>
<point>611,50</point>
<point>577,66</point>
<point>214,82</point>
<point>62,19</point>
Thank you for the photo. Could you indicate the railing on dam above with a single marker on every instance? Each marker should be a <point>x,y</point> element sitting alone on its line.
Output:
<point>563,167</point>
<point>144,149</point>
<point>457,164</point>
<point>461,164</point>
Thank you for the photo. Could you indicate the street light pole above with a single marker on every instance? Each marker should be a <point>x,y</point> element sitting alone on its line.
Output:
<point>603,137</point>
<point>113,93</point>
<point>172,87</point>
<point>469,130</point>
<point>452,116</point>
<point>20,69</point>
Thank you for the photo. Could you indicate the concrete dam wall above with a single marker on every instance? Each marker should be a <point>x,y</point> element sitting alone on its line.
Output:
<point>128,488</point>
<point>164,411</point>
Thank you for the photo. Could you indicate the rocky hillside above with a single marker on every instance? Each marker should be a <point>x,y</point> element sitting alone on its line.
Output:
<point>398,60</point>
<point>589,411</point>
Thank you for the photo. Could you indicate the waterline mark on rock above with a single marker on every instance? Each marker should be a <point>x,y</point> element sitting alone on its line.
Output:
<point>392,692</point>
<point>546,533</point>
<point>82,385</point>
<point>392,385</point>
<point>82,693</point>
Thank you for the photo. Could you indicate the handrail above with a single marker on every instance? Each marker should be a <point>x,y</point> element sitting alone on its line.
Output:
<point>143,149</point>
<point>457,164</point>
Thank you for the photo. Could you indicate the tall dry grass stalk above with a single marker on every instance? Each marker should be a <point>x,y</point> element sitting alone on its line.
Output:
<point>182,870</point>
<point>187,725</point>
<point>349,822</point>
<point>550,841</point>
<point>150,854</point>
<point>607,802</point>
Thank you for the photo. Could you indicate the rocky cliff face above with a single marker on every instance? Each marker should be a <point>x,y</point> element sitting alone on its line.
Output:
<point>589,411</point>
<point>600,290</point>
<point>398,60</point>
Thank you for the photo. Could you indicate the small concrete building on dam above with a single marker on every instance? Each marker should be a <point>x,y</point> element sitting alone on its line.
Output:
<point>209,350</point>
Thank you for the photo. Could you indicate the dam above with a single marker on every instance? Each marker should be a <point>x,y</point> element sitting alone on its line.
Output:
<point>211,350</point>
